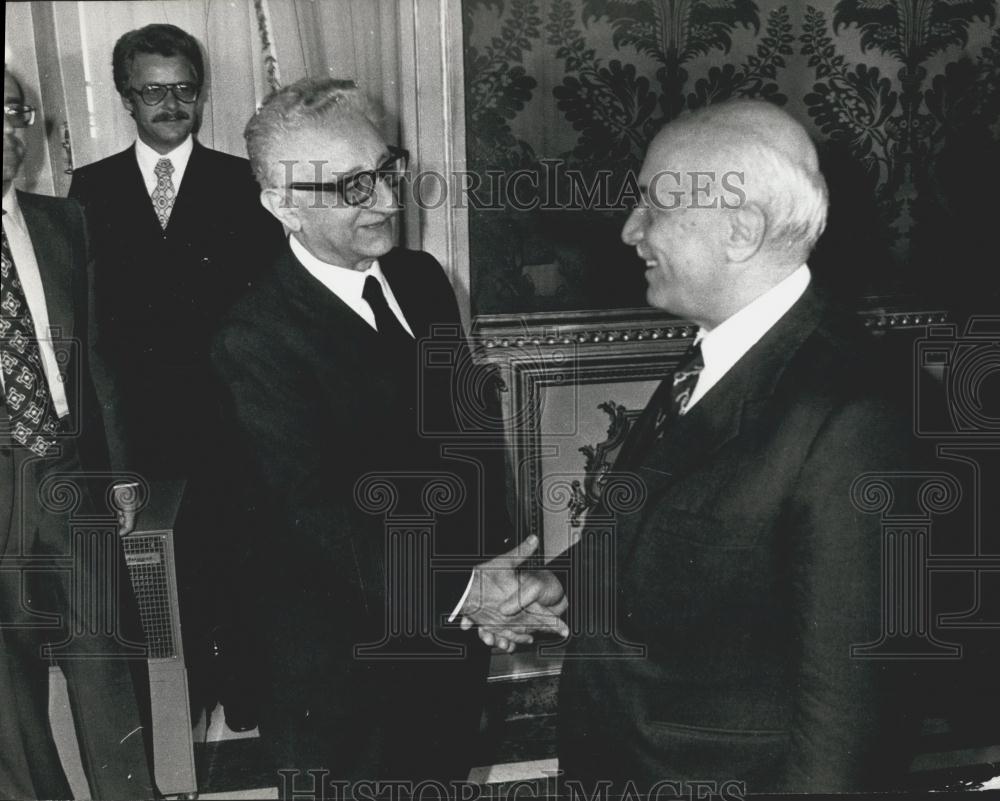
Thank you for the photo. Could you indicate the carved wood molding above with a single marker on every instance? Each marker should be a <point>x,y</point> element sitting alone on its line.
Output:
<point>509,332</point>
<point>500,331</point>
<point>888,320</point>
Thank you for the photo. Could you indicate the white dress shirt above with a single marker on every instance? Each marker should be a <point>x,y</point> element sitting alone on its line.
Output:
<point>348,284</point>
<point>724,345</point>
<point>146,157</point>
<point>23,253</point>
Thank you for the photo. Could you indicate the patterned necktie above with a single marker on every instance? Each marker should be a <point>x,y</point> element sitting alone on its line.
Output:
<point>681,387</point>
<point>388,325</point>
<point>163,195</point>
<point>34,423</point>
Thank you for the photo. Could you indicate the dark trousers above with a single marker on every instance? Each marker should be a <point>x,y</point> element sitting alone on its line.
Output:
<point>213,526</point>
<point>63,592</point>
<point>369,721</point>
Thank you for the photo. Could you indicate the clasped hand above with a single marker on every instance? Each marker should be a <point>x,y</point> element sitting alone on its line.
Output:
<point>508,604</point>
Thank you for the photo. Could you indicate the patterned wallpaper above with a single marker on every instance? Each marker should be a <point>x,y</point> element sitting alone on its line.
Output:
<point>562,96</point>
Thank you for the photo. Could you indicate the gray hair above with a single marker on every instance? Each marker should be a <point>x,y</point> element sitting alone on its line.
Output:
<point>306,104</point>
<point>780,166</point>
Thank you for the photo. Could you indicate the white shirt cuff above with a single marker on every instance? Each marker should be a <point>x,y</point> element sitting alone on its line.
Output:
<point>461,603</point>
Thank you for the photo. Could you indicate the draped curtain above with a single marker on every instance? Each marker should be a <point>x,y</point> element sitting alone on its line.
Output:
<point>62,52</point>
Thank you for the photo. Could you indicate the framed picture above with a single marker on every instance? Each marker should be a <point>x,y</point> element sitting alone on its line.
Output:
<point>570,388</point>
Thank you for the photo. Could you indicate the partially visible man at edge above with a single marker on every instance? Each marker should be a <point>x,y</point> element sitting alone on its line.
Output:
<point>51,431</point>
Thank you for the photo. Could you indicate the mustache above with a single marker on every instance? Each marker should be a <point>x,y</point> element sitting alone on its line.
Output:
<point>166,116</point>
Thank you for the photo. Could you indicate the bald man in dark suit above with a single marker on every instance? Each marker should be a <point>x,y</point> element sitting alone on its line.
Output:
<point>741,573</point>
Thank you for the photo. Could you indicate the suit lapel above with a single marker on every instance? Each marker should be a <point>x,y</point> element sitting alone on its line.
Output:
<point>322,308</point>
<point>734,402</point>
<point>193,189</point>
<point>54,255</point>
<point>133,199</point>
<point>729,409</point>
<point>416,310</point>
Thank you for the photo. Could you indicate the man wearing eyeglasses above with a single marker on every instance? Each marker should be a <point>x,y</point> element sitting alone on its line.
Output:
<point>347,375</point>
<point>177,233</point>
<point>51,431</point>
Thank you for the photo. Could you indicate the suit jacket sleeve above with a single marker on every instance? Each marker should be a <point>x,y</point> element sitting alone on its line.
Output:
<point>848,710</point>
<point>474,412</point>
<point>104,389</point>
<point>93,444</point>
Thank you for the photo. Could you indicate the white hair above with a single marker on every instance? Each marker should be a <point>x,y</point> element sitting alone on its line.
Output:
<point>778,164</point>
<point>793,196</point>
<point>307,104</point>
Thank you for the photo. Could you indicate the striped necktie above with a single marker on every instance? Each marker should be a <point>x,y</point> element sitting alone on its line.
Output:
<point>681,388</point>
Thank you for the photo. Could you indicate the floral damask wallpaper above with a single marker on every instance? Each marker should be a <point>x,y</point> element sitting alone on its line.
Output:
<point>562,96</point>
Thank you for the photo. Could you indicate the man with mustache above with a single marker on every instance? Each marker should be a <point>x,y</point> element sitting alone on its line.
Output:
<point>176,231</point>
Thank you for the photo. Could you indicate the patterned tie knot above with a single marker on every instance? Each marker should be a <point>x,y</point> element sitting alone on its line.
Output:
<point>163,193</point>
<point>686,377</point>
<point>672,399</point>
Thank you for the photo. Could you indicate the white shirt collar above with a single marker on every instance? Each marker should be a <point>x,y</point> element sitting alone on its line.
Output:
<point>348,284</point>
<point>10,204</point>
<point>146,157</point>
<point>724,345</point>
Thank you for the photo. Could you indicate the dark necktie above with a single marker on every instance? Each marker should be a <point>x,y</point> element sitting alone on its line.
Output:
<point>679,388</point>
<point>388,325</point>
<point>34,423</point>
<point>670,400</point>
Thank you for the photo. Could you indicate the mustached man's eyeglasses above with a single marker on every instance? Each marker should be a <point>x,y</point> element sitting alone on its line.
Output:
<point>358,189</point>
<point>18,114</point>
<point>153,93</point>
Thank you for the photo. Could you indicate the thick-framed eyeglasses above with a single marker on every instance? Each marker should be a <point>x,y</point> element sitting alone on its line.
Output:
<point>153,93</point>
<point>358,189</point>
<point>18,114</point>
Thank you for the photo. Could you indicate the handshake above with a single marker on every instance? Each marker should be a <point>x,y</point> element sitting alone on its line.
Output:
<point>508,603</point>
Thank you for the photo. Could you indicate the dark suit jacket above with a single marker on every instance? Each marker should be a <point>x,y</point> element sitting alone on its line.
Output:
<point>59,239</point>
<point>747,573</point>
<point>320,402</point>
<point>100,686</point>
<point>159,295</point>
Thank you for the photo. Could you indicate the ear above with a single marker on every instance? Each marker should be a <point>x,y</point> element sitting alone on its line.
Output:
<point>199,104</point>
<point>128,103</point>
<point>280,204</point>
<point>748,227</point>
